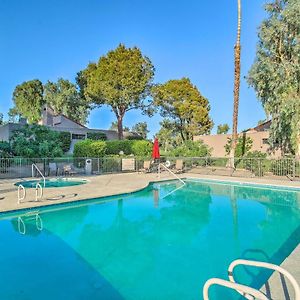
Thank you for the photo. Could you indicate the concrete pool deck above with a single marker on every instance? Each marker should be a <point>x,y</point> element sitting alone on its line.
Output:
<point>114,184</point>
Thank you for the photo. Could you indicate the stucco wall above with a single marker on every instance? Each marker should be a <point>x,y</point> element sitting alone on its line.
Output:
<point>218,141</point>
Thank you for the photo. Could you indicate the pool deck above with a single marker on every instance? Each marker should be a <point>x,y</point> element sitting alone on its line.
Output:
<point>114,184</point>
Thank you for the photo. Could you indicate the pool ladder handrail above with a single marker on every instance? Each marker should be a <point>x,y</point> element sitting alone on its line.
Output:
<point>21,198</point>
<point>34,166</point>
<point>37,194</point>
<point>246,291</point>
<point>265,265</point>
<point>22,226</point>
<point>171,172</point>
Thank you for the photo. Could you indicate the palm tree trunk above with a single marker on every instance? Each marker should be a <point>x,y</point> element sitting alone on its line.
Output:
<point>237,75</point>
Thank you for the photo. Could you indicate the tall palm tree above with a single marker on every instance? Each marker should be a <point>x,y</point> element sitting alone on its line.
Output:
<point>237,75</point>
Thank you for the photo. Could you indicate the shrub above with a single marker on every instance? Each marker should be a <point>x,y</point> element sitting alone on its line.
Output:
<point>5,150</point>
<point>36,141</point>
<point>65,138</point>
<point>134,138</point>
<point>115,147</point>
<point>191,149</point>
<point>89,148</point>
<point>141,148</point>
<point>96,136</point>
<point>243,146</point>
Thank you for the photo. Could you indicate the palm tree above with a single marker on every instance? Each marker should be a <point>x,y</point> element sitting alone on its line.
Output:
<point>237,75</point>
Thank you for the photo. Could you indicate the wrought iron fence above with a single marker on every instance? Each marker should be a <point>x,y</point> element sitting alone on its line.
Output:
<point>244,167</point>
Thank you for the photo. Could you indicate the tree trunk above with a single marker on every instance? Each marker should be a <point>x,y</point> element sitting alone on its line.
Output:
<point>120,127</point>
<point>237,75</point>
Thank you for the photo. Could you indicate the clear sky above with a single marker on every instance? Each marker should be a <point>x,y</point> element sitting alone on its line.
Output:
<point>48,39</point>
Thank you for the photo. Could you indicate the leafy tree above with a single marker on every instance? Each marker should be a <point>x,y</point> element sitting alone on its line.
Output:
<point>122,79</point>
<point>5,150</point>
<point>191,149</point>
<point>1,119</point>
<point>261,122</point>
<point>141,128</point>
<point>223,129</point>
<point>182,103</point>
<point>64,98</point>
<point>114,126</point>
<point>36,141</point>
<point>168,135</point>
<point>28,99</point>
<point>275,73</point>
<point>13,115</point>
<point>243,146</point>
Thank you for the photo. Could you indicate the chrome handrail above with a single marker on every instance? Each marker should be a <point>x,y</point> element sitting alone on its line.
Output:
<point>242,289</point>
<point>265,265</point>
<point>21,198</point>
<point>34,166</point>
<point>177,177</point>
<point>37,195</point>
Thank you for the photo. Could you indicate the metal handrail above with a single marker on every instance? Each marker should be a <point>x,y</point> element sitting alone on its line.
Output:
<point>34,166</point>
<point>266,266</point>
<point>38,222</point>
<point>242,289</point>
<point>37,195</point>
<point>172,173</point>
<point>21,222</point>
<point>21,198</point>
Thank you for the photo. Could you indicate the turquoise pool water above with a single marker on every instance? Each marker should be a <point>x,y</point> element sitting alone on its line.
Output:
<point>52,183</point>
<point>163,242</point>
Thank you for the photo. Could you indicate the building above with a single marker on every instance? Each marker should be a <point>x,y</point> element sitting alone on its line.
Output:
<point>259,135</point>
<point>60,122</point>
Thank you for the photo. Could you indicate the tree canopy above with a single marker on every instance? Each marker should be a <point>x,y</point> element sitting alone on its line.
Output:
<point>275,74</point>
<point>28,99</point>
<point>182,103</point>
<point>223,128</point>
<point>121,79</point>
<point>141,128</point>
<point>64,98</point>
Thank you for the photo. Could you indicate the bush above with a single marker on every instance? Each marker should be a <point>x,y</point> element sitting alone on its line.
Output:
<point>142,148</point>
<point>36,141</point>
<point>65,138</point>
<point>5,150</point>
<point>97,136</point>
<point>134,138</point>
<point>115,147</point>
<point>243,146</point>
<point>89,148</point>
<point>191,149</point>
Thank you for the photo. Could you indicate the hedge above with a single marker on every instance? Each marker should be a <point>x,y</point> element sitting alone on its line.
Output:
<point>90,148</point>
<point>65,138</point>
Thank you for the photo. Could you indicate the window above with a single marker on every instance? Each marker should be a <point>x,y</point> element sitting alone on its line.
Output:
<point>78,136</point>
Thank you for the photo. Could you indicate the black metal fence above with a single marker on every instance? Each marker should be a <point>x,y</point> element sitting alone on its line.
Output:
<point>244,167</point>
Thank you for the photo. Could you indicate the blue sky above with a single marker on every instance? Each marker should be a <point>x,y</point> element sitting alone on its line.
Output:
<point>191,38</point>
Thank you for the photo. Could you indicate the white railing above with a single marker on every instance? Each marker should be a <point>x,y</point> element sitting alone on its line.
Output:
<point>23,196</point>
<point>34,166</point>
<point>242,289</point>
<point>38,195</point>
<point>265,265</point>
<point>177,177</point>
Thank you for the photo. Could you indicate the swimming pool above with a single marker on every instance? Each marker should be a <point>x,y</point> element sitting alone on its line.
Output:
<point>51,183</point>
<point>162,242</point>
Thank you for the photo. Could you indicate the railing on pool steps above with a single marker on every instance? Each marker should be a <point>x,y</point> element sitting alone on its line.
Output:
<point>34,166</point>
<point>246,291</point>
<point>177,177</point>
<point>21,197</point>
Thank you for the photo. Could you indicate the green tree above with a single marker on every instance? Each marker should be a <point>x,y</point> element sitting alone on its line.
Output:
<point>28,100</point>
<point>121,79</point>
<point>243,146</point>
<point>1,118</point>
<point>275,73</point>
<point>141,128</point>
<point>13,115</point>
<point>182,103</point>
<point>168,135</point>
<point>36,141</point>
<point>114,126</point>
<point>64,98</point>
<point>223,129</point>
